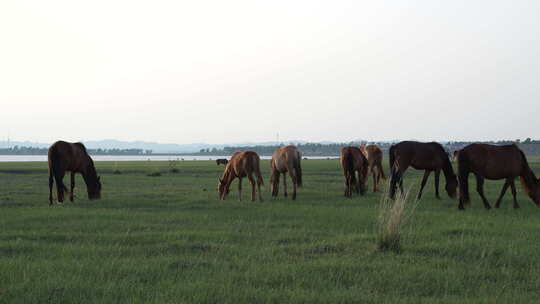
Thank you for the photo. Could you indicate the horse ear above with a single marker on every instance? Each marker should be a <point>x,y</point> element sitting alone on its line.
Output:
<point>99,178</point>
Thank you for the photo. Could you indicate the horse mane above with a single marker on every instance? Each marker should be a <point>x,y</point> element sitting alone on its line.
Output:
<point>527,177</point>
<point>81,146</point>
<point>447,169</point>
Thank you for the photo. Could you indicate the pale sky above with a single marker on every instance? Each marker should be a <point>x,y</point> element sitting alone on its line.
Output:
<point>231,71</point>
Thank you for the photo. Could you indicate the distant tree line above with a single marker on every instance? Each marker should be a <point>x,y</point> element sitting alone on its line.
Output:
<point>16,150</point>
<point>529,146</point>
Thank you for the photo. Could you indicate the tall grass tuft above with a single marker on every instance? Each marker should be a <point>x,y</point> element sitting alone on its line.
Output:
<point>394,215</point>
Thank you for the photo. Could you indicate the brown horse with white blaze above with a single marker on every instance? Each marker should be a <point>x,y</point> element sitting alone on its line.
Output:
<point>71,157</point>
<point>353,161</point>
<point>286,160</point>
<point>374,156</point>
<point>494,163</point>
<point>242,164</point>
<point>421,156</point>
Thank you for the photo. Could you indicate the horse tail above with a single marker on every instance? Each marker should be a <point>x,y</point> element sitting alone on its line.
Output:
<point>298,169</point>
<point>463,177</point>
<point>55,170</point>
<point>348,170</point>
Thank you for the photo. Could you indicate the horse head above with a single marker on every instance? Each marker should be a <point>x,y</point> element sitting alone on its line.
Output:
<point>94,189</point>
<point>223,189</point>
<point>451,186</point>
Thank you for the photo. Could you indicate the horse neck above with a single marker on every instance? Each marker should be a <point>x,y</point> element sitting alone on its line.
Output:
<point>447,169</point>
<point>89,174</point>
<point>528,177</point>
<point>228,175</point>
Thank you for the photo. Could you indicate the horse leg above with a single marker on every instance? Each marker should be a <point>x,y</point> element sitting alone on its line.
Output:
<point>348,185</point>
<point>375,179</point>
<point>423,184</point>
<point>60,187</point>
<point>480,190</point>
<point>259,178</point>
<point>463,179</point>
<point>252,182</point>
<point>437,175</point>
<point>294,179</point>
<point>295,183</point>
<point>240,189</point>
<point>72,186</point>
<point>51,182</point>
<point>401,183</point>
<point>275,183</point>
<point>513,188</point>
<point>284,184</point>
<point>503,191</point>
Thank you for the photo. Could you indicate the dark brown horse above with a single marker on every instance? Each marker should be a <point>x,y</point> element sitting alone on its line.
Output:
<point>286,159</point>
<point>495,162</point>
<point>240,165</point>
<point>221,161</point>
<point>421,156</point>
<point>353,161</point>
<point>374,157</point>
<point>71,157</point>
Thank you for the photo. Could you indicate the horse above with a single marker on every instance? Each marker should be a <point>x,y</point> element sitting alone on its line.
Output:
<point>221,161</point>
<point>494,163</point>
<point>353,161</point>
<point>374,157</point>
<point>421,156</point>
<point>71,157</point>
<point>241,164</point>
<point>286,159</point>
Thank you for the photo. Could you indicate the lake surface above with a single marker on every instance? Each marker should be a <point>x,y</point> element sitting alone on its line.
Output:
<point>43,158</point>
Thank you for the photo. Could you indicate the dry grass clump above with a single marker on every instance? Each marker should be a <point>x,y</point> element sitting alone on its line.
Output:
<point>394,215</point>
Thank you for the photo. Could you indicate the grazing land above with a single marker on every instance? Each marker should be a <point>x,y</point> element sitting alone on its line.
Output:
<point>166,238</point>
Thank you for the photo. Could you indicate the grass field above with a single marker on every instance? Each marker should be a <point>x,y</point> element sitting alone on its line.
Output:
<point>167,239</point>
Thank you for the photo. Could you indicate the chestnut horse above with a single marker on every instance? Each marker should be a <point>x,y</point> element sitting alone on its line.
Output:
<point>353,161</point>
<point>72,157</point>
<point>221,161</point>
<point>240,165</point>
<point>495,162</point>
<point>421,156</point>
<point>286,159</point>
<point>374,157</point>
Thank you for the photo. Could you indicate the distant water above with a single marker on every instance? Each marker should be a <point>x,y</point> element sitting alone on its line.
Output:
<point>43,158</point>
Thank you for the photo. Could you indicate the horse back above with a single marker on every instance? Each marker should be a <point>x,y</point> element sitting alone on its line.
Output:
<point>421,156</point>
<point>68,156</point>
<point>491,161</point>
<point>285,158</point>
<point>244,163</point>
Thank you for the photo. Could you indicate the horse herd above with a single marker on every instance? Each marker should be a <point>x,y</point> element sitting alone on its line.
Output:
<point>482,160</point>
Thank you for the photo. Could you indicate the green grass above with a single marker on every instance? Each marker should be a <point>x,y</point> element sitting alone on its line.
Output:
<point>168,239</point>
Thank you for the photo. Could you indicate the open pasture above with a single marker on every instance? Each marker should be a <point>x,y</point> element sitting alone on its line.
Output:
<point>168,239</point>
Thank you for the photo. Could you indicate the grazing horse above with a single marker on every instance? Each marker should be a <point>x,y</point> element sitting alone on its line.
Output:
<point>72,157</point>
<point>421,156</point>
<point>286,159</point>
<point>495,162</point>
<point>221,161</point>
<point>241,164</point>
<point>374,157</point>
<point>352,161</point>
